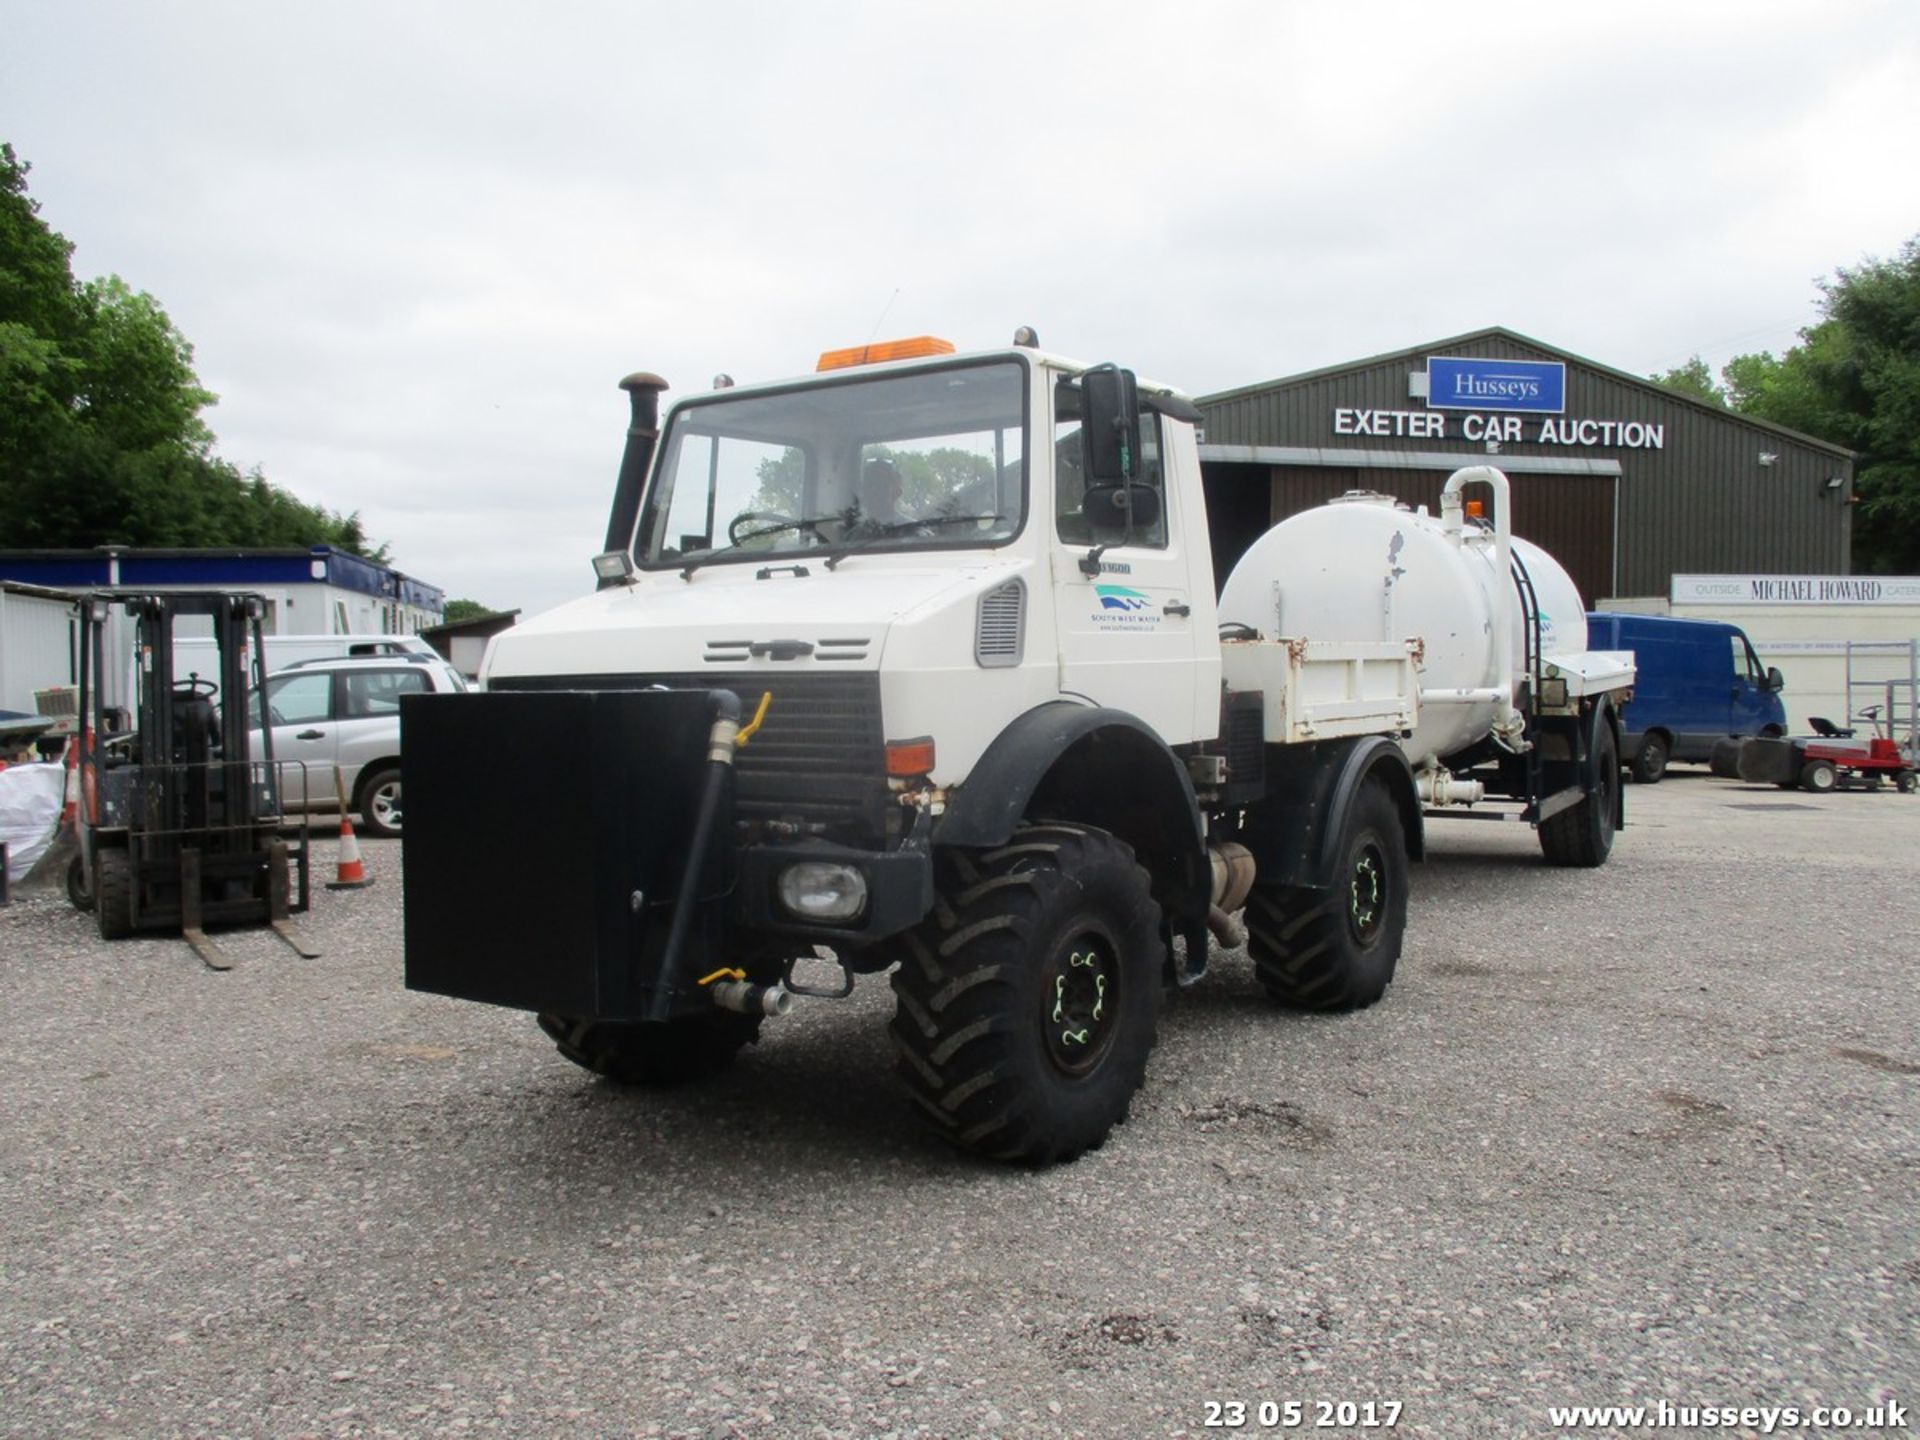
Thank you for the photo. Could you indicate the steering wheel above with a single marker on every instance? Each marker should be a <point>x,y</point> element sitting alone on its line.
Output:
<point>751,524</point>
<point>194,685</point>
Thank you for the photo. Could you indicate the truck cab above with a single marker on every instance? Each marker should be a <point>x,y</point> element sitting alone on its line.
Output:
<point>998,581</point>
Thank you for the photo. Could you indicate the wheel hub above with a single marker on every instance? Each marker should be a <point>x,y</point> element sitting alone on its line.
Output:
<point>1367,895</point>
<point>1080,1003</point>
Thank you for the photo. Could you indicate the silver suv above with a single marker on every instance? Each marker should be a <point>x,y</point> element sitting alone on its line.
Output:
<point>345,713</point>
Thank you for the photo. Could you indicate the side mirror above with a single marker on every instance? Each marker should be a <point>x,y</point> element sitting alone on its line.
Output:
<point>1776,682</point>
<point>1110,424</point>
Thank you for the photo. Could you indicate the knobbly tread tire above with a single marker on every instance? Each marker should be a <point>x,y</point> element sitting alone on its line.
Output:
<point>1303,949</point>
<point>113,893</point>
<point>1581,836</point>
<point>968,1024</point>
<point>632,1053</point>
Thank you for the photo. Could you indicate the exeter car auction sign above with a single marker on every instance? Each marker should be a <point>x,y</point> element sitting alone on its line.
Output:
<point>1796,590</point>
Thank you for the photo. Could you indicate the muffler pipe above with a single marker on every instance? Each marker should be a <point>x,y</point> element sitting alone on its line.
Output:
<point>1232,874</point>
<point>1230,932</point>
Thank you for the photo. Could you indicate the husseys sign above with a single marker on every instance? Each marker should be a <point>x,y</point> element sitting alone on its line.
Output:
<point>1536,385</point>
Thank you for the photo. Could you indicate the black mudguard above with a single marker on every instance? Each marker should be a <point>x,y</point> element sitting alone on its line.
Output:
<point>1294,833</point>
<point>1104,768</point>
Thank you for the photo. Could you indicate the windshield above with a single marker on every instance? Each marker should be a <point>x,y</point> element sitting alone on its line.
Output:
<point>923,461</point>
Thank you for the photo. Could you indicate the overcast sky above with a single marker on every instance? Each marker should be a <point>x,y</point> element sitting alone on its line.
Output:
<point>416,246</point>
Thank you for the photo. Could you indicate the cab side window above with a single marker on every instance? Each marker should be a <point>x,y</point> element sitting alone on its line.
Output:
<point>376,693</point>
<point>1069,478</point>
<point>1744,661</point>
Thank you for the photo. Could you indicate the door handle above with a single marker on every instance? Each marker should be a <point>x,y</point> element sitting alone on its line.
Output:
<point>1177,607</point>
<point>311,735</point>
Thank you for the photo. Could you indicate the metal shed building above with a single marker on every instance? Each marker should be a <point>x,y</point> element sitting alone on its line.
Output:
<point>1624,481</point>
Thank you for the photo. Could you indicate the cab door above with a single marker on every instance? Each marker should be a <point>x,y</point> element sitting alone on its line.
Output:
<point>1129,633</point>
<point>1755,706</point>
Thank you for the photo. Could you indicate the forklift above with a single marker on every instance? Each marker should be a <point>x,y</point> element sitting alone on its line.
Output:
<point>179,827</point>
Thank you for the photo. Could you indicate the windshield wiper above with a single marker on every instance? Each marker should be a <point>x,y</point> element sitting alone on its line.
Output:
<point>897,528</point>
<point>776,526</point>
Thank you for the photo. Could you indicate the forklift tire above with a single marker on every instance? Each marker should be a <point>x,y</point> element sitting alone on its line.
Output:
<point>1337,949</point>
<point>380,803</point>
<point>1819,776</point>
<point>1582,834</point>
<point>1026,1002</point>
<point>1651,763</point>
<point>77,892</point>
<point>113,893</point>
<point>636,1053</point>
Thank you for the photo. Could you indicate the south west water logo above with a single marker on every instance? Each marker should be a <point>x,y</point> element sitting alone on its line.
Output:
<point>1118,597</point>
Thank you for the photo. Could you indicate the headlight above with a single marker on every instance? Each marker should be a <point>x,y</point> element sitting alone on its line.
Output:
<point>816,890</point>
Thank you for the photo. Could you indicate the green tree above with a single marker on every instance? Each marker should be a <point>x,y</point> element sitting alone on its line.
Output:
<point>101,436</point>
<point>1692,378</point>
<point>458,610</point>
<point>1854,380</point>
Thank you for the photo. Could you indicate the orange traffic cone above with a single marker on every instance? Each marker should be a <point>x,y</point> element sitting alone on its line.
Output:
<point>351,874</point>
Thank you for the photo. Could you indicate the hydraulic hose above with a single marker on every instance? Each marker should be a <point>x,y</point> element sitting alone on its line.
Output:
<point>726,725</point>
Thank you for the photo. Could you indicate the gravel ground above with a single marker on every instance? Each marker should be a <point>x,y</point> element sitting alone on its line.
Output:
<point>1644,1133</point>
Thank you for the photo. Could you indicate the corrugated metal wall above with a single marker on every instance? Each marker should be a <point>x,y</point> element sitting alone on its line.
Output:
<point>36,647</point>
<point>1704,503</point>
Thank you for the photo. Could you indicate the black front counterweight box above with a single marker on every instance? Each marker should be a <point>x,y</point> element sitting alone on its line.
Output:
<point>546,843</point>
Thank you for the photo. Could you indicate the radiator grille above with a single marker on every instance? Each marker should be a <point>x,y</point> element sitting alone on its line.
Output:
<point>1001,629</point>
<point>818,758</point>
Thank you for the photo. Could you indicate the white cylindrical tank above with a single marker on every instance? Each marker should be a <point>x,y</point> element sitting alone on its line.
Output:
<point>1366,568</point>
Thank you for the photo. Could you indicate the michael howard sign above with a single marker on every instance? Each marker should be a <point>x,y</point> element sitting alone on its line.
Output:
<point>1539,385</point>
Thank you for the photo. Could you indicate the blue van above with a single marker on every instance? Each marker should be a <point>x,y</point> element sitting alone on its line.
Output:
<point>1697,682</point>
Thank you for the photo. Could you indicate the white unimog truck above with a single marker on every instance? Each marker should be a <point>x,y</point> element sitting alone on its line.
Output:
<point>915,665</point>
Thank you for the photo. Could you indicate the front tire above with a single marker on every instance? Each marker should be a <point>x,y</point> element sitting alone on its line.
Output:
<point>637,1053</point>
<point>113,893</point>
<point>1337,949</point>
<point>1026,1003</point>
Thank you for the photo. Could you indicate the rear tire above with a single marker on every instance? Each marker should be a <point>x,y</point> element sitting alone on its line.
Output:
<point>1819,776</point>
<point>1582,835</point>
<point>1337,949</point>
<point>113,893</point>
<point>1651,763</point>
<point>1026,1003</point>
<point>637,1053</point>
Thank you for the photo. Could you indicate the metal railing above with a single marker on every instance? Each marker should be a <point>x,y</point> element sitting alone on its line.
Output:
<point>1883,690</point>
